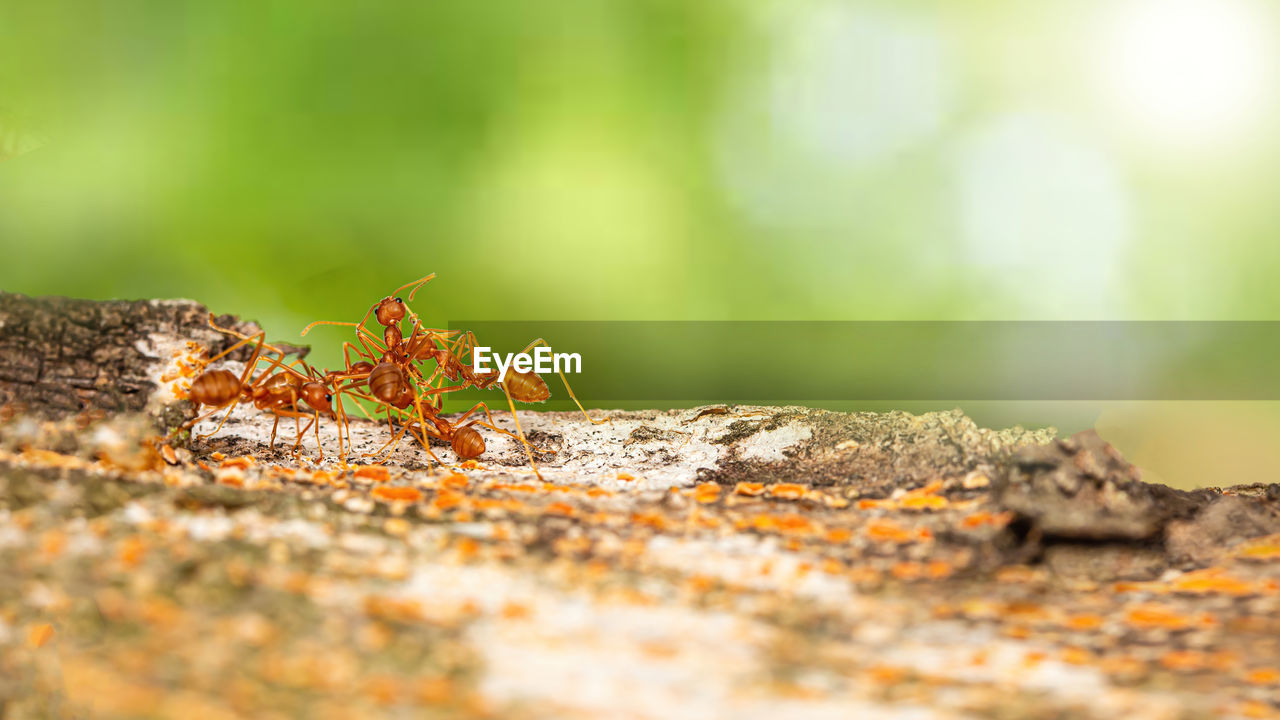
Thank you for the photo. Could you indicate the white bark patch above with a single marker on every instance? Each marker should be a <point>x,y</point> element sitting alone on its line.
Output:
<point>772,445</point>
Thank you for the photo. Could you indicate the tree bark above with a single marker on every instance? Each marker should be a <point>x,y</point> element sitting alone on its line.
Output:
<point>731,561</point>
<point>60,355</point>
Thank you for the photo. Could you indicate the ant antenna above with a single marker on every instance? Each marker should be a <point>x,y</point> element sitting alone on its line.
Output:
<point>416,285</point>
<point>359,328</point>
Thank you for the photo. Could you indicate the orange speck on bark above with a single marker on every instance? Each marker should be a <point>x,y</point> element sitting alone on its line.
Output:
<point>132,550</point>
<point>1017,632</point>
<point>886,674</point>
<point>217,457</point>
<point>1210,581</point>
<point>1033,658</point>
<point>561,508</point>
<point>749,489</point>
<point>456,481</point>
<point>242,463</point>
<point>937,569</point>
<point>467,547</point>
<point>52,543</point>
<point>1255,709</point>
<point>626,477</point>
<point>435,690</point>
<point>701,583</point>
<point>838,535</point>
<point>1018,574</point>
<point>831,566</point>
<point>1183,660</point>
<point>470,465</point>
<point>787,491</point>
<point>907,570</point>
<point>515,611</point>
<point>393,609</point>
<point>1134,587</point>
<point>982,518</point>
<point>447,499</point>
<point>376,473</point>
<point>886,531</point>
<point>707,492</point>
<point>382,689</point>
<point>516,487</point>
<point>1263,676</point>
<point>1076,656</point>
<point>1267,548</point>
<point>794,524</point>
<point>396,493</point>
<point>38,635</point>
<point>870,504</point>
<point>1155,616</point>
<point>1083,621</point>
<point>649,518</point>
<point>923,502</point>
<point>232,479</point>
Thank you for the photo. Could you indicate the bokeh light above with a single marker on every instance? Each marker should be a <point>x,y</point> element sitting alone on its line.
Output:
<point>1189,73</point>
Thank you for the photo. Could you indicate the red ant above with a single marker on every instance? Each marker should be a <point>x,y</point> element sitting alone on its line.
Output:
<point>277,392</point>
<point>525,387</point>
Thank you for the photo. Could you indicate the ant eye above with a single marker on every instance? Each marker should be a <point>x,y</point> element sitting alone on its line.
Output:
<point>399,301</point>
<point>328,397</point>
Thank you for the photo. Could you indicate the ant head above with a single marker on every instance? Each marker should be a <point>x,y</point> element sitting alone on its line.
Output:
<point>390,311</point>
<point>318,397</point>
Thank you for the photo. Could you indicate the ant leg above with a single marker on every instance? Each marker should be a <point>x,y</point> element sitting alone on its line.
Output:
<point>256,338</point>
<point>192,423</point>
<point>348,347</point>
<point>393,443</point>
<point>565,380</point>
<point>528,449</point>
<point>242,336</point>
<point>234,403</point>
<point>489,423</point>
<point>297,443</point>
<point>319,447</point>
<point>275,424</point>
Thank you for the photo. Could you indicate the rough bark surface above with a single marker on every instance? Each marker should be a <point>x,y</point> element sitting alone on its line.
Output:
<point>60,355</point>
<point>744,562</point>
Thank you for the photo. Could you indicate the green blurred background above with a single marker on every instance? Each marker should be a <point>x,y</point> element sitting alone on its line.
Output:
<point>666,160</point>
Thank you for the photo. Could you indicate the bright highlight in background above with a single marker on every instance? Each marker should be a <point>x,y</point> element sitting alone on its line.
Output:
<point>1189,71</point>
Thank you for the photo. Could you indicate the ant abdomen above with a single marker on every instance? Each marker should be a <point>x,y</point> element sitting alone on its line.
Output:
<point>467,443</point>
<point>215,387</point>
<point>526,387</point>
<point>387,382</point>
